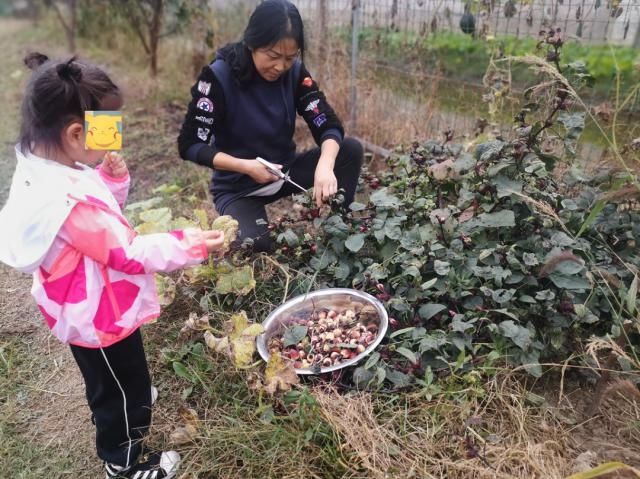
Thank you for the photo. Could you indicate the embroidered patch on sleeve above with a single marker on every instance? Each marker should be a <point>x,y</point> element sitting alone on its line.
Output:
<point>103,130</point>
<point>313,106</point>
<point>203,133</point>
<point>207,120</point>
<point>320,120</point>
<point>204,87</point>
<point>205,104</point>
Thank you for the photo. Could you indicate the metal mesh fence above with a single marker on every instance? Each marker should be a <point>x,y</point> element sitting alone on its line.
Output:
<point>399,70</point>
<point>598,21</point>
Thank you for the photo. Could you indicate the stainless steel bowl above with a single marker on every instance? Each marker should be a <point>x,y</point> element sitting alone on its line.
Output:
<point>333,298</point>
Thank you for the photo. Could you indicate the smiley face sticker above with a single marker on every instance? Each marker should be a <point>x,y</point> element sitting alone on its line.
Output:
<point>103,130</point>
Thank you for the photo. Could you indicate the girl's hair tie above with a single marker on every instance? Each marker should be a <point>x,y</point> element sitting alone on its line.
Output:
<point>70,71</point>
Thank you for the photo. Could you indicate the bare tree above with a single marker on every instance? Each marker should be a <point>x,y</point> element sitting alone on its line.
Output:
<point>67,14</point>
<point>145,17</point>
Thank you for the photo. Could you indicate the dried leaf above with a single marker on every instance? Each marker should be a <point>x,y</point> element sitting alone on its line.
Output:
<point>184,434</point>
<point>195,323</point>
<point>219,345</point>
<point>229,227</point>
<point>240,345</point>
<point>279,375</point>
<point>166,288</point>
<point>237,280</point>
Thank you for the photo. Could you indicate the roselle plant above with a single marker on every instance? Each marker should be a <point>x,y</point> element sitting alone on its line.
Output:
<point>485,254</point>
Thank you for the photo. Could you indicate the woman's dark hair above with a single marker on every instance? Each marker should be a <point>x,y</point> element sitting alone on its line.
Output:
<point>58,93</point>
<point>270,22</point>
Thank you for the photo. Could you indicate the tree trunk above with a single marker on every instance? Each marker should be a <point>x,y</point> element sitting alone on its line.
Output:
<point>68,25</point>
<point>71,31</point>
<point>321,40</point>
<point>154,35</point>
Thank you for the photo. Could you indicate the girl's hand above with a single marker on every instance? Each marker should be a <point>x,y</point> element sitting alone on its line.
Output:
<point>213,240</point>
<point>325,184</point>
<point>114,166</point>
<point>259,172</point>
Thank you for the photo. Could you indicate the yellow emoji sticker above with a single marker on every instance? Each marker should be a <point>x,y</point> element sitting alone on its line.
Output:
<point>103,130</point>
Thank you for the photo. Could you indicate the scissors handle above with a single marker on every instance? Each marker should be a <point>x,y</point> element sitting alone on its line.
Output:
<point>271,167</point>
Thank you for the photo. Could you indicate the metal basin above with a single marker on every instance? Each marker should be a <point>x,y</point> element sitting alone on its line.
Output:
<point>333,298</point>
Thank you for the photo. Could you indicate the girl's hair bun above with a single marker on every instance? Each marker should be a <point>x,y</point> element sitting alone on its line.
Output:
<point>70,70</point>
<point>34,59</point>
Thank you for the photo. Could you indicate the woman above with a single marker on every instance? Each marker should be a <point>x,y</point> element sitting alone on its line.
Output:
<point>243,107</point>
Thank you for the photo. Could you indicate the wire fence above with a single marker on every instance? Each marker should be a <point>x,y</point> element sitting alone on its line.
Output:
<point>597,21</point>
<point>399,70</point>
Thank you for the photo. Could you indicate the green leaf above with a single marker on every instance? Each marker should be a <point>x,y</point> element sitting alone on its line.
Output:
<point>460,326</point>
<point>293,335</point>
<point>502,295</point>
<point>400,332</point>
<point>632,295</point>
<point>574,126</point>
<point>382,199</point>
<point>182,371</point>
<point>501,219</point>
<point>506,186</point>
<point>530,259</point>
<point>407,353</point>
<point>506,313</point>
<point>595,211</point>
<point>428,284</point>
<point>355,206</point>
<point>530,361</point>
<point>378,271</point>
<point>441,267</point>
<point>290,237</point>
<point>362,377</point>
<point>373,360</point>
<point>573,283</point>
<point>520,335</point>
<point>355,242</point>
<point>166,189</point>
<point>341,271</point>
<point>428,311</point>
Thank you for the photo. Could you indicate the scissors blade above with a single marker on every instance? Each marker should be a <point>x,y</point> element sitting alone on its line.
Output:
<point>288,179</point>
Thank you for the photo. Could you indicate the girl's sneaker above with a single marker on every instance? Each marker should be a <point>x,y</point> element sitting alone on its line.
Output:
<point>157,466</point>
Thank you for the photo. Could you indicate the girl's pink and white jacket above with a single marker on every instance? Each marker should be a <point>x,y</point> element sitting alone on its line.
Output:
<point>92,273</point>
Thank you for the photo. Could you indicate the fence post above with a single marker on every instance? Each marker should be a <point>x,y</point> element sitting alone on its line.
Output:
<point>636,38</point>
<point>355,40</point>
<point>321,40</point>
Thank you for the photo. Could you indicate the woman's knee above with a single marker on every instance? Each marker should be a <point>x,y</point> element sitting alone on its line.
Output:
<point>351,151</point>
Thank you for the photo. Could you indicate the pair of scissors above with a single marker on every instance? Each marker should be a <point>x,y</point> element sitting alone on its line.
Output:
<point>279,173</point>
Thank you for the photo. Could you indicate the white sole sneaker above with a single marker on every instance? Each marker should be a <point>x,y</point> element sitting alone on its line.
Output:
<point>154,395</point>
<point>169,461</point>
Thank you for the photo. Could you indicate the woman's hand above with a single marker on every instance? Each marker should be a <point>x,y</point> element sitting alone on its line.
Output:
<point>213,240</point>
<point>325,184</point>
<point>114,166</point>
<point>259,172</point>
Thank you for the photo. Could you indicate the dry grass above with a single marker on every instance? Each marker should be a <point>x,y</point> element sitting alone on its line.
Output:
<point>412,437</point>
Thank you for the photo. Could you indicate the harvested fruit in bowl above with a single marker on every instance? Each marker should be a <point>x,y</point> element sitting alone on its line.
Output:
<point>324,338</point>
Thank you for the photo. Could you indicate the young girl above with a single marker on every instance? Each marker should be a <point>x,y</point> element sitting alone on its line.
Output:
<point>92,274</point>
<point>244,106</point>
